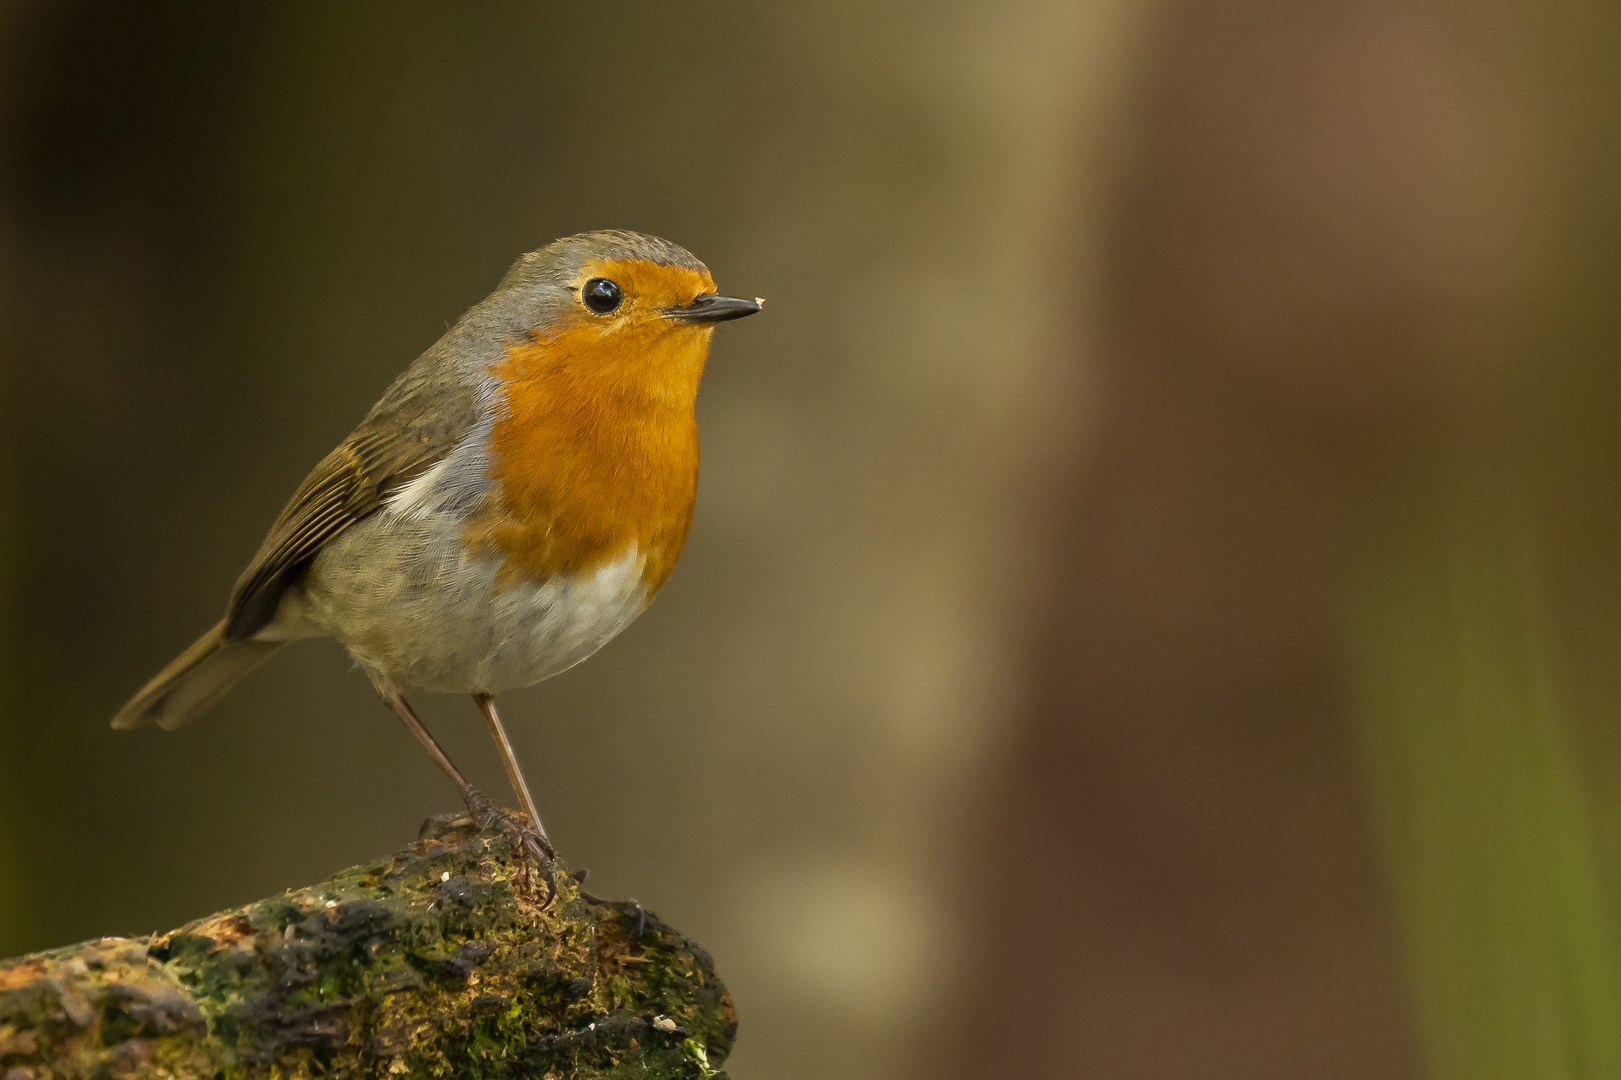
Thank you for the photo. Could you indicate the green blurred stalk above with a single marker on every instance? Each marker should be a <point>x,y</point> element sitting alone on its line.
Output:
<point>1487,815</point>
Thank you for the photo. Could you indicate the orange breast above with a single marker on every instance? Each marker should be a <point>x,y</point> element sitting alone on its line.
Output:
<point>596,449</point>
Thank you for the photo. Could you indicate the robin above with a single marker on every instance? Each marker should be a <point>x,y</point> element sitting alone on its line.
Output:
<point>516,499</point>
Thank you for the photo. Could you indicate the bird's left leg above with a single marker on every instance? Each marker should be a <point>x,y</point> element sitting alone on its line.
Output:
<point>520,786</point>
<point>486,705</point>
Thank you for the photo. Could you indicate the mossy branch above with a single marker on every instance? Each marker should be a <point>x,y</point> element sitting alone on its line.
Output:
<point>438,962</point>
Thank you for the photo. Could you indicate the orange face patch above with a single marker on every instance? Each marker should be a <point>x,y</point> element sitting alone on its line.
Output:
<point>595,444</point>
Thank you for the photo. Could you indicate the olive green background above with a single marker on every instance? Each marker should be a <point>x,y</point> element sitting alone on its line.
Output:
<point>229,228</point>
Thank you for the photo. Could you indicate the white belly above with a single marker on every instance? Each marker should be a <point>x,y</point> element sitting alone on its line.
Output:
<point>436,621</point>
<point>397,590</point>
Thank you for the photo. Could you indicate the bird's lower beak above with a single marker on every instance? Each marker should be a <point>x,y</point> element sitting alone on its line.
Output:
<point>709,307</point>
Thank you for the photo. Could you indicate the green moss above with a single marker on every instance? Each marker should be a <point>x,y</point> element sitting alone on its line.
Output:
<point>439,963</point>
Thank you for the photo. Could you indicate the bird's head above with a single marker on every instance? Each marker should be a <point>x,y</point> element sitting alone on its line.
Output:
<point>628,312</point>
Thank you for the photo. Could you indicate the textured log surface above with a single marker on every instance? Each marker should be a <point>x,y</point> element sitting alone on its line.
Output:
<point>438,962</point>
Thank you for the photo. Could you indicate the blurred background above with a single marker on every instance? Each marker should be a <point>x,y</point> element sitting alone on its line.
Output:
<point>1154,602</point>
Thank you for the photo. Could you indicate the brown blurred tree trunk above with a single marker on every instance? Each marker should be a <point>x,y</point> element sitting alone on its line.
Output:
<point>1183,827</point>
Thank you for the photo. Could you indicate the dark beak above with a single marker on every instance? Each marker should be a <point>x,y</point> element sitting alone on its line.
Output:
<point>709,307</point>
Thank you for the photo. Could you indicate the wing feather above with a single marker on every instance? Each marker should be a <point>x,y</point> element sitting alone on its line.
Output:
<point>388,450</point>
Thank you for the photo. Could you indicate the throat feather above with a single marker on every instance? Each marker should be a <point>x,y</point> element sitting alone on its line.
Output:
<point>589,463</point>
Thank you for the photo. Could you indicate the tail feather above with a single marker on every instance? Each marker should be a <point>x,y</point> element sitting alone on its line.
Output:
<point>195,680</point>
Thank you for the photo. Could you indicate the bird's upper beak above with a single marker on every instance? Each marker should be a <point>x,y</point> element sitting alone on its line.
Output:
<point>709,307</point>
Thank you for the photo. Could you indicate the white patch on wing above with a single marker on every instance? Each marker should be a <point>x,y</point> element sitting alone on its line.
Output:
<point>416,496</point>
<point>456,485</point>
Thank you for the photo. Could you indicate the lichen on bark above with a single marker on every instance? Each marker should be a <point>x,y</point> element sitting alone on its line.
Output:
<point>440,962</point>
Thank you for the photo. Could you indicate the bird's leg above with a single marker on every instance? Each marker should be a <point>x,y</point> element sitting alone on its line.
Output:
<point>486,704</point>
<point>485,814</point>
<point>520,786</point>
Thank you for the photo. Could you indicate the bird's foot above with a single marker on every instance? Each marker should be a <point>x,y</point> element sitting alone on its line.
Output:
<point>631,909</point>
<point>491,818</point>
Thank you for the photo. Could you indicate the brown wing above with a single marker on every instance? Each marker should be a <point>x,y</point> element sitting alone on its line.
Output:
<point>387,451</point>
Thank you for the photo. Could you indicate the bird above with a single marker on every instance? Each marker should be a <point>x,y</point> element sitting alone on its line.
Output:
<point>514,500</point>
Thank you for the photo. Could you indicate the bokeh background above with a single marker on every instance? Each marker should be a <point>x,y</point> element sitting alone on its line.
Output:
<point>1155,597</point>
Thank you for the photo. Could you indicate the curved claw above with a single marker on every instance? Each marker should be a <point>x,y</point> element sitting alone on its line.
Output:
<point>543,858</point>
<point>632,905</point>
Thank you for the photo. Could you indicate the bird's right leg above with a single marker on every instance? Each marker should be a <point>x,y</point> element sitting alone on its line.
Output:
<point>486,815</point>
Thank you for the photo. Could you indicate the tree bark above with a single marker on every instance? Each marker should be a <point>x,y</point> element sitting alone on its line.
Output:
<point>440,962</point>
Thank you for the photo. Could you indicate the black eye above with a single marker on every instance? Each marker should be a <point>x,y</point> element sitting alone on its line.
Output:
<point>602,295</point>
